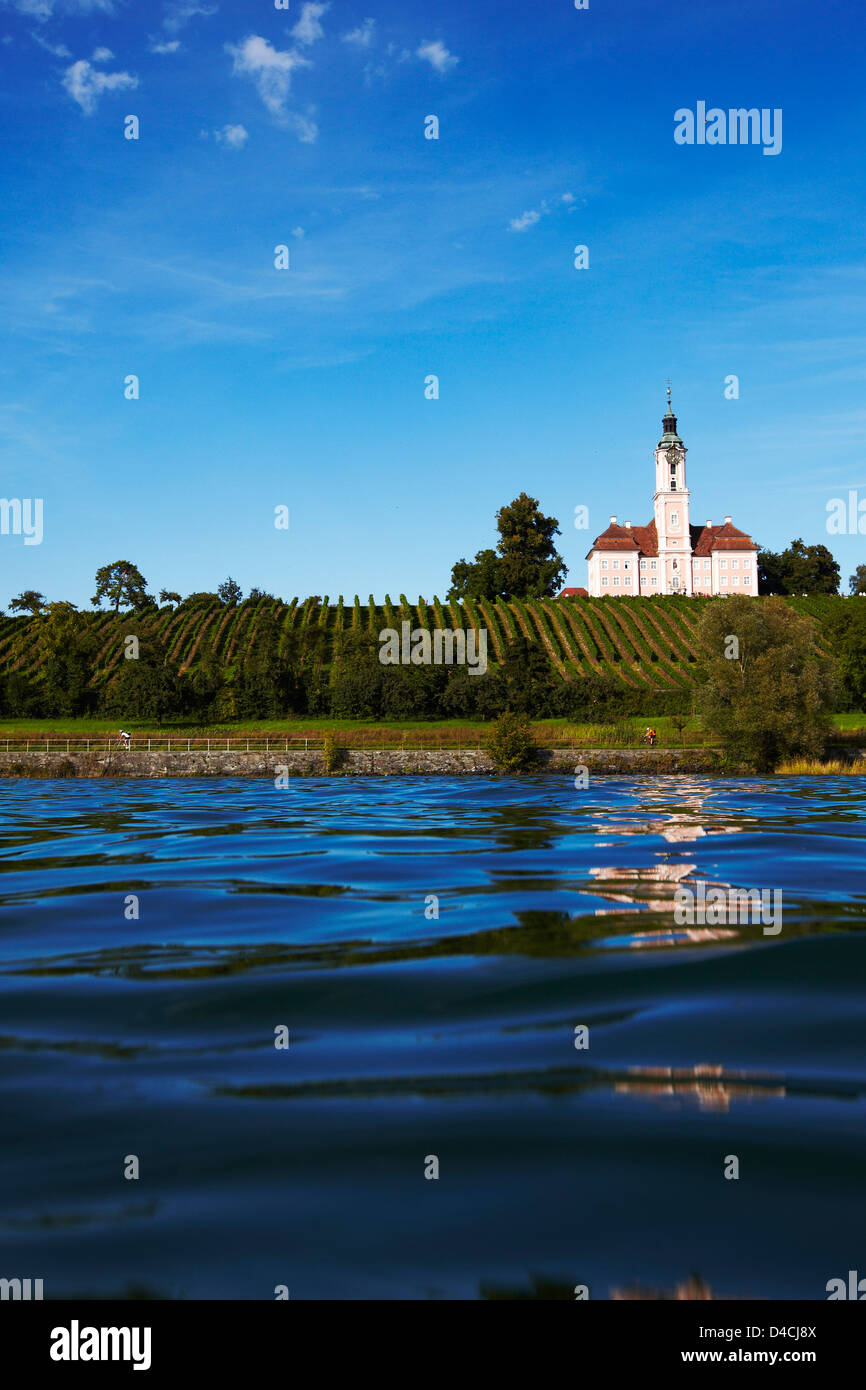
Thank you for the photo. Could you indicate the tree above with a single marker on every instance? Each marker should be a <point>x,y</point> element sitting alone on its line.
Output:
<point>169,596</point>
<point>121,583</point>
<point>768,694</point>
<point>525,563</point>
<point>230,592</point>
<point>146,687</point>
<point>845,629</point>
<point>30,601</point>
<point>531,565</point>
<point>801,569</point>
<point>65,651</point>
<point>528,678</point>
<point>479,579</point>
<point>857,582</point>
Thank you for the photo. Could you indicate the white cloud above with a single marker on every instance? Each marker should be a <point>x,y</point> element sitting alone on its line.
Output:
<point>531,216</point>
<point>58,50</point>
<point>101,55</point>
<point>525,220</point>
<point>235,136</point>
<point>298,232</point>
<point>179,15</point>
<point>308,28</point>
<point>437,55</point>
<point>306,129</point>
<point>363,35</point>
<point>44,9</point>
<point>85,85</point>
<point>270,68</point>
<point>170,46</point>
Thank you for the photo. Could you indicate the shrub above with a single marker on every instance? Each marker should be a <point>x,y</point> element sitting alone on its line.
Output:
<point>510,744</point>
<point>333,756</point>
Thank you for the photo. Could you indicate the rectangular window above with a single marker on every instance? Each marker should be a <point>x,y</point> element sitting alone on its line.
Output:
<point>616,579</point>
<point>654,564</point>
<point>724,579</point>
<point>628,580</point>
<point>747,579</point>
<point>655,581</point>
<point>643,564</point>
<point>675,518</point>
<point>604,564</point>
<point>616,564</point>
<point>735,579</point>
<point>735,564</point>
<point>604,581</point>
<point>745,564</point>
<point>724,564</point>
<point>707,564</point>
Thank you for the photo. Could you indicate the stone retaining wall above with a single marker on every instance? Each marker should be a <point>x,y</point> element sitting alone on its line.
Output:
<point>355,762</point>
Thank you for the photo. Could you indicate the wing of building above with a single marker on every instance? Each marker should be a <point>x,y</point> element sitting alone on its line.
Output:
<point>671,555</point>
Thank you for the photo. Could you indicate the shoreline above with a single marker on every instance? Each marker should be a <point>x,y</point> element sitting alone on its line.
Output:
<point>353,763</point>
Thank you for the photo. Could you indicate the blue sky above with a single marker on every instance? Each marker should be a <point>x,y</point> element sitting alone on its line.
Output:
<point>409,257</point>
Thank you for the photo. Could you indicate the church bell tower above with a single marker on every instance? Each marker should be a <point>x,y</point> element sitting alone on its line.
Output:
<point>671,507</point>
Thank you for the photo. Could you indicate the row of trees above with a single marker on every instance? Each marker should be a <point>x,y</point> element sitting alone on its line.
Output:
<point>122,585</point>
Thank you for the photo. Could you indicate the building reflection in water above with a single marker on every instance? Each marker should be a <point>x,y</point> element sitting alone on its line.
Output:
<point>708,1084</point>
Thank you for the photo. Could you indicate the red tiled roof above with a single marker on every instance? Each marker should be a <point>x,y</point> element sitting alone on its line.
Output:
<point>574,593</point>
<point>644,539</point>
<point>705,539</point>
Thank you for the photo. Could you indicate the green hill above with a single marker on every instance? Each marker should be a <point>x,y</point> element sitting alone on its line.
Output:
<point>645,646</point>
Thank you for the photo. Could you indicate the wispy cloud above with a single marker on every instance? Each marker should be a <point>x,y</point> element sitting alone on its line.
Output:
<point>179,15</point>
<point>436,54</point>
<point>44,9</point>
<point>308,29</point>
<point>533,215</point>
<point>164,45</point>
<point>271,69</point>
<point>363,35</point>
<point>86,85</point>
<point>57,50</point>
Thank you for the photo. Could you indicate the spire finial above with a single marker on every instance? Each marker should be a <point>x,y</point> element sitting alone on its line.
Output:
<point>669,395</point>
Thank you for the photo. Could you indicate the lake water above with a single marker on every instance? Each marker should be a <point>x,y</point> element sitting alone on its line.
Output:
<point>413,1036</point>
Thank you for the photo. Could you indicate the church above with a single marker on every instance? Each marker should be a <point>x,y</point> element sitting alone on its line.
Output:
<point>670,555</point>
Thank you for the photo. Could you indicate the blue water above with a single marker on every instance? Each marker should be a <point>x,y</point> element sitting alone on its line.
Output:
<point>414,1036</point>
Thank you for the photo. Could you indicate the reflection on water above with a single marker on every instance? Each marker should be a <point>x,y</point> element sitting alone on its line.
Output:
<point>432,946</point>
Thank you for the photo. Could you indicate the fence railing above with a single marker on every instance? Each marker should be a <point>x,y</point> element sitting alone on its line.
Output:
<point>373,741</point>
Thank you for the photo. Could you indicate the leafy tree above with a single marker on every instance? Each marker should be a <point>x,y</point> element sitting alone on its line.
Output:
<point>528,678</point>
<point>531,565</point>
<point>801,569</point>
<point>768,694</point>
<point>857,582</point>
<point>65,651</point>
<point>525,563</point>
<point>230,592</point>
<point>845,629</point>
<point>30,601</point>
<point>260,686</point>
<point>169,596</point>
<point>121,583</point>
<point>146,687</point>
<point>478,579</point>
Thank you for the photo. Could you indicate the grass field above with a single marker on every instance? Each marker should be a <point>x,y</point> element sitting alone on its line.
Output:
<point>452,733</point>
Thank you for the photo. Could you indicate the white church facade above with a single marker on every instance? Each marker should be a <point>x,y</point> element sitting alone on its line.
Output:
<point>671,555</point>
